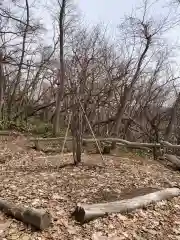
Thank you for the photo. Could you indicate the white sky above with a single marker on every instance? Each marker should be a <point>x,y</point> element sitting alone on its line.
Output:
<point>110,13</point>
<point>105,11</point>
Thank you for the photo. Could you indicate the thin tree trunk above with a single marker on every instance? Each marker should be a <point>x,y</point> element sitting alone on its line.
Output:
<point>1,86</point>
<point>60,90</point>
<point>77,136</point>
<point>18,77</point>
<point>128,89</point>
<point>172,120</point>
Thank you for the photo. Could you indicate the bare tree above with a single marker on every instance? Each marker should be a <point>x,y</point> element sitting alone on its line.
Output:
<point>61,74</point>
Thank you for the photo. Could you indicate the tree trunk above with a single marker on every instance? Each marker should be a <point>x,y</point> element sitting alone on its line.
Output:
<point>19,73</point>
<point>60,90</point>
<point>76,129</point>
<point>128,89</point>
<point>2,81</point>
<point>172,120</point>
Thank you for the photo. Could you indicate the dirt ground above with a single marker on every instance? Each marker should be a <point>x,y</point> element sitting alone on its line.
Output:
<point>34,179</point>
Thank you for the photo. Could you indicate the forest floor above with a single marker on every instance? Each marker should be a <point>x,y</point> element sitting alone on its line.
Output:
<point>34,179</point>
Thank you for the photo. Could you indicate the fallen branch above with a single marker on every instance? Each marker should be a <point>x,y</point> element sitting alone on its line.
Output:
<point>118,140</point>
<point>49,139</point>
<point>125,142</point>
<point>5,133</point>
<point>88,140</point>
<point>173,159</point>
<point>84,212</point>
<point>40,219</point>
<point>54,150</point>
<point>135,147</point>
<point>169,145</point>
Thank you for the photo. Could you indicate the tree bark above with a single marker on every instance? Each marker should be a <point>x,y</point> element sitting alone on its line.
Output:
<point>19,73</point>
<point>172,120</point>
<point>173,159</point>
<point>108,140</point>
<point>60,90</point>
<point>2,81</point>
<point>128,89</point>
<point>40,219</point>
<point>84,212</point>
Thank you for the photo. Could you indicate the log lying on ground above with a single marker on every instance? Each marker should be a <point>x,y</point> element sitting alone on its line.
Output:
<point>118,140</point>
<point>173,159</point>
<point>40,219</point>
<point>50,139</point>
<point>125,142</point>
<point>169,145</point>
<point>84,212</point>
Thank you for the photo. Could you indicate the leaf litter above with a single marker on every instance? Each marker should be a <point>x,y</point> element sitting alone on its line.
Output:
<point>34,179</point>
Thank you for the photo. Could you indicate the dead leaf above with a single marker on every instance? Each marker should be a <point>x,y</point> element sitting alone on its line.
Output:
<point>4,226</point>
<point>25,237</point>
<point>14,236</point>
<point>98,236</point>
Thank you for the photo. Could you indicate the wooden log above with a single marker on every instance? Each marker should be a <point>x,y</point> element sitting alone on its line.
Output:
<point>54,150</point>
<point>5,133</point>
<point>40,219</point>
<point>49,139</point>
<point>10,133</point>
<point>36,144</point>
<point>120,142</point>
<point>84,212</point>
<point>92,140</point>
<point>106,149</point>
<point>125,142</point>
<point>134,147</point>
<point>169,145</point>
<point>173,159</point>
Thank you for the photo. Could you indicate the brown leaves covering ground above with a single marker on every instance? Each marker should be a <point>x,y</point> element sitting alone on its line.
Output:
<point>33,179</point>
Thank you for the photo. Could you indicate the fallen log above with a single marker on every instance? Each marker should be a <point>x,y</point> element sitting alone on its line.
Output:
<point>118,140</point>
<point>132,146</point>
<point>173,159</point>
<point>169,145</point>
<point>40,219</point>
<point>125,142</point>
<point>84,212</point>
<point>49,139</point>
<point>156,147</point>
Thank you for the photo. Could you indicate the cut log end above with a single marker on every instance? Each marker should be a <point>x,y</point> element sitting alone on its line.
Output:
<point>106,150</point>
<point>45,221</point>
<point>40,219</point>
<point>79,214</point>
